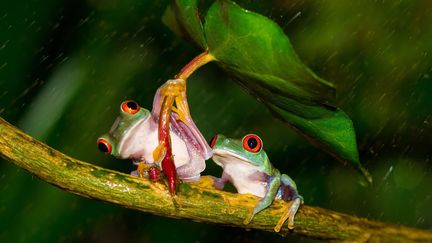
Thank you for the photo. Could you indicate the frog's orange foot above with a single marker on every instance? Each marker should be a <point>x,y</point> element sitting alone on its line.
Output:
<point>181,115</point>
<point>205,181</point>
<point>173,87</point>
<point>142,169</point>
<point>289,214</point>
<point>159,154</point>
<point>177,89</point>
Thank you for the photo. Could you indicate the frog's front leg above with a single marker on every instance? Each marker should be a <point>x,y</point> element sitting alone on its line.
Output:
<point>175,88</point>
<point>219,183</point>
<point>273,185</point>
<point>181,121</point>
<point>296,202</point>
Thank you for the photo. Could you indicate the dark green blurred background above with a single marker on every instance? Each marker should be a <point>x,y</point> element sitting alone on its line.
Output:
<point>65,66</point>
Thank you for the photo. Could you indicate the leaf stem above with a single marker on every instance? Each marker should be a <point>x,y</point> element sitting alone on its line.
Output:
<point>193,65</point>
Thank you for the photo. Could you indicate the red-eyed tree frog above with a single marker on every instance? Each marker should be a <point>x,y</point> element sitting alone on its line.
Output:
<point>246,165</point>
<point>134,135</point>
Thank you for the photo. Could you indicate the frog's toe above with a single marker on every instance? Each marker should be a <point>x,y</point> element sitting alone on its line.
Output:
<point>181,115</point>
<point>218,184</point>
<point>285,216</point>
<point>289,214</point>
<point>250,216</point>
<point>206,181</point>
<point>291,222</point>
<point>293,211</point>
<point>247,220</point>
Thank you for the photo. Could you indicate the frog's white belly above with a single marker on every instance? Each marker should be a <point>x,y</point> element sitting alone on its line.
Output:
<point>141,141</point>
<point>242,175</point>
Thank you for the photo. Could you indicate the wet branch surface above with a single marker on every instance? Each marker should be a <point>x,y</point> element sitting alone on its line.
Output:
<point>196,201</point>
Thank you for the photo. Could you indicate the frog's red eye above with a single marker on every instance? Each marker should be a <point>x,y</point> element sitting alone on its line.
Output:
<point>104,146</point>
<point>213,141</point>
<point>252,143</point>
<point>130,107</point>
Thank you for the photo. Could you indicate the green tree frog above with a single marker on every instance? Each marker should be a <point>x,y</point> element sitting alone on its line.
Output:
<point>134,135</point>
<point>246,165</point>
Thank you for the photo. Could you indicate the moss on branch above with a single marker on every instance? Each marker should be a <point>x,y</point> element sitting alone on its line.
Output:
<point>196,201</point>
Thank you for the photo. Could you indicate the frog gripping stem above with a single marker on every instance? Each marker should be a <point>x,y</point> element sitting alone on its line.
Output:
<point>167,164</point>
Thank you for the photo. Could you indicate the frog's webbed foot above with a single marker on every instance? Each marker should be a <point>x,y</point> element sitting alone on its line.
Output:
<point>219,183</point>
<point>177,88</point>
<point>289,214</point>
<point>182,109</point>
<point>173,87</point>
<point>294,204</point>
<point>206,181</point>
<point>181,115</point>
<point>142,169</point>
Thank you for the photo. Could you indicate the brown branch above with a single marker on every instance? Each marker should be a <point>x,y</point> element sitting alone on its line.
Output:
<point>198,201</point>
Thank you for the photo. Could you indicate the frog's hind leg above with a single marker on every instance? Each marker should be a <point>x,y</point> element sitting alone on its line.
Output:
<point>272,189</point>
<point>289,192</point>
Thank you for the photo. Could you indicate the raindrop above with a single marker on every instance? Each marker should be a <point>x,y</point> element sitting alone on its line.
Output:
<point>390,170</point>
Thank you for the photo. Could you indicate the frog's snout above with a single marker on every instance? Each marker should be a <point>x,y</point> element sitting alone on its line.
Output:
<point>212,142</point>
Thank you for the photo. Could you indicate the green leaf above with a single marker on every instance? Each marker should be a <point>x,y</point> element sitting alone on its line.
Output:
<point>256,48</point>
<point>260,56</point>
<point>332,132</point>
<point>183,18</point>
